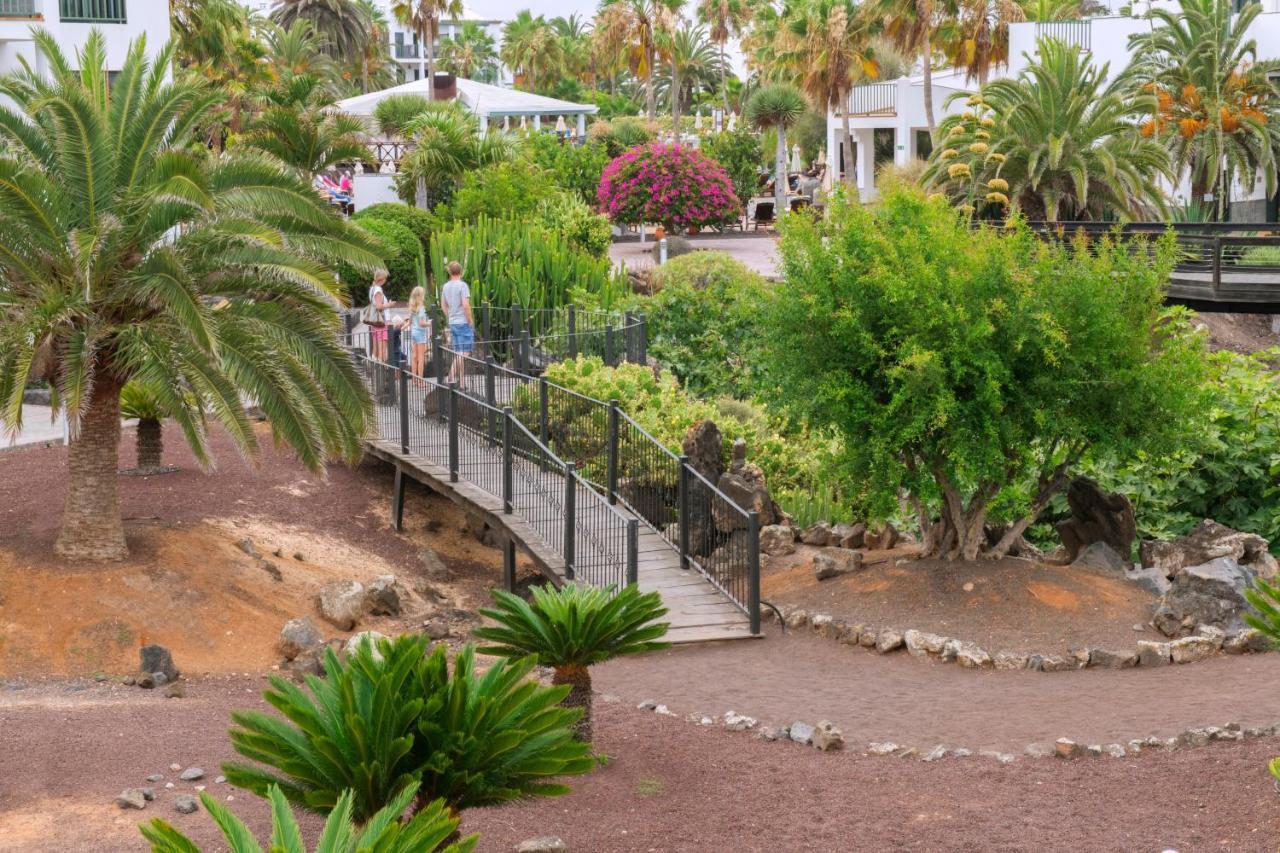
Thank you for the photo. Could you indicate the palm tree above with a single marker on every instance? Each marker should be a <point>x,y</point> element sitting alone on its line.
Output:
<point>302,130</point>
<point>694,63</point>
<point>577,61</point>
<point>1215,103</point>
<point>1058,142</point>
<point>573,628</point>
<point>446,144</point>
<point>424,17</point>
<point>777,106</point>
<point>342,23</point>
<point>725,18</point>
<point>215,42</point>
<point>128,252</point>
<point>531,49</point>
<point>470,54</point>
<point>300,51</point>
<point>637,30</point>
<point>827,53</point>
<point>377,69</point>
<point>975,34</point>
<point>911,26</point>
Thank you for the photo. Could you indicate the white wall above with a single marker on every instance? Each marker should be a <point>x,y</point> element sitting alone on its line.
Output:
<point>149,17</point>
<point>371,188</point>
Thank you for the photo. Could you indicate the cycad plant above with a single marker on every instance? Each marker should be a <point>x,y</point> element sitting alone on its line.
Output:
<point>573,628</point>
<point>139,401</point>
<point>779,107</point>
<point>426,832</point>
<point>129,251</point>
<point>305,131</point>
<point>377,724</point>
<point>1264,598</point>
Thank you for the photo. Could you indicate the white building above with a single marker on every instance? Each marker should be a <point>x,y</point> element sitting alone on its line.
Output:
<point>71,21</point>
<point>888,119</point>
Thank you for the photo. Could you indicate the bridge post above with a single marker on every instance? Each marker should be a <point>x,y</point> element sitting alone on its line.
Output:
<point>453,432</point>
<point>1217,263</point>
<point>628,337</point>
<point>570,498</point>
<point>491,398</point>
<point>509,564</point>
<point>753,570</point>
<point>608,344</point>
<point>517,326</point>
<point>508,484</point>
<point>683,493</point>
<point>633,552</point>
<point>527,344</point>
<point>642,336</point>
<point>573,331</point>
<point>397,500</point>
<point>611,471</point>
<point>438,358</point>
<point>544,425</point>
<point>404,410</point>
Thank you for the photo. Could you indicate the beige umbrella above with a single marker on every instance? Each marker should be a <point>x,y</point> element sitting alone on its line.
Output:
<point>560,125</point>
<point>522,122</point>
<point>733,121</point>
<point>697,121</point>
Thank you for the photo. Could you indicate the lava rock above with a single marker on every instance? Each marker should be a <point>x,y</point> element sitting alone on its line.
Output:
<point>1210,593</point>
<point>1153,654</point>
<point>1096,517</point>
<point>191,774</point>
<point>1100,557</point>
<point>881,538</point>
<point>132,798</point>
<point>298,636</point>
<point>156,658</point>
<point>801,732</point>
<point>818,534</point>
<point>827,737</point>
<point>370,637</point>
<point>341,603</point>
<point>833,562</point>
<point>176,690</point>
<point>436,629</point>
<point>1191,649</point>
<point>888,640</point>
<point>1110,659</point>
<point>185,804</point>
<point>777,540</point>
<point>382,598</point>
<point>1207,542</point>
<point>542,844</point>
<point>971,656</point>
<point>1067,748</point>
<point>849,535</point>
<point>1248,640</point>
<point>921,644</point>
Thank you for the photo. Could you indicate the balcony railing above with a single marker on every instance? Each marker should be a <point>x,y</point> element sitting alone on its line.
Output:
<point>874,99</point>
<point>1075,33</point>
<point>19,9</point>
<point>92,11</point>
<point>408,51</point>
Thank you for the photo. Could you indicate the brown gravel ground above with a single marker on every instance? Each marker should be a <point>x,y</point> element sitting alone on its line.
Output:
<point>669,786</point>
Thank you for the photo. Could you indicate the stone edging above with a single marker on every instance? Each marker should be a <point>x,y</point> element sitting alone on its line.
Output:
<point>1208,642</point>
<point>825,737</point>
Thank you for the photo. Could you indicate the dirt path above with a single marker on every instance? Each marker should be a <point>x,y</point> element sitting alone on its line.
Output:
<point>875,697</point>
<point>670,786</point>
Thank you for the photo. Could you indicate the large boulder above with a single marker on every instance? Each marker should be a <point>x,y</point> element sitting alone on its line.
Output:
<point>848,535</point>
<point>1207,542</point>
<point>382,597</point>
<point>1208,594</point>
<point>155,658</point>
<point>833,562</point>
<point>777,540</point>
<point>818,533</point>
<point>746,490</point>
<point>342,603</point>
<point>703,445</point>
<point>881,538</point>
<point>1097,516</point>
<point>1100,557</point>
<point>298,636</point>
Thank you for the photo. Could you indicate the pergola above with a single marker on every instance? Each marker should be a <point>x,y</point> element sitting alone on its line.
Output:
<point>488,103</point>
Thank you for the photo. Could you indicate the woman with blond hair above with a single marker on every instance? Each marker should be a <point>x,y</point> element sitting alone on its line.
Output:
<point>419,327</point>
<point>376,317</point>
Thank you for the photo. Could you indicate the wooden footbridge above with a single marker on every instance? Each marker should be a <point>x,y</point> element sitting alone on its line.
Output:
<point>1220,266</point>
<point>574,483</point>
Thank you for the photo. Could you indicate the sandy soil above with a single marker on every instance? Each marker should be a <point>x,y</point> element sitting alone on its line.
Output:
<point>669,786</point>
<point>189,587</point>
<point>1239,332</point>
<point>1006,604</point>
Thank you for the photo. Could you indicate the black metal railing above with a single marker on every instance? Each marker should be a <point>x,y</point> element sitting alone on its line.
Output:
<point>564,461</point>
<point>92,11</point>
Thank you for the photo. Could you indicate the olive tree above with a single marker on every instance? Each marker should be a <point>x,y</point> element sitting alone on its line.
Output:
<point>970,369</point>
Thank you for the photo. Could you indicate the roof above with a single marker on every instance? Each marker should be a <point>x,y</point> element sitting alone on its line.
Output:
<point>481,99</point>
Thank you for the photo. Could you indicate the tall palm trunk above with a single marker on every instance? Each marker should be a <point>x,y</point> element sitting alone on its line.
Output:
<point>150,444</point>
<point>675,99</point>
<point>579,680</point>
<point>650,92</point>
<point>431,61</point>
<point>724,83</point>
<point>846,159</point>
<point>91,526</point>
<point>780,174</point>
<point>926,64</point>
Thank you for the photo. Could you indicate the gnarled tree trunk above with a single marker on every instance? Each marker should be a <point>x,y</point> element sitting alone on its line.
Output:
<point>91,526</point>
<point>150,444</point>
<point>579,679</point>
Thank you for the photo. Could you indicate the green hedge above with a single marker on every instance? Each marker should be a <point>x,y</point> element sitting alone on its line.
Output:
<point>420,222</point>
<point>401,258</point>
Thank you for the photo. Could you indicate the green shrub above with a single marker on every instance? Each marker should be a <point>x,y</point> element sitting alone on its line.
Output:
<point>1261,256</point>
<point>1225,470</point>
<point>566,215</point>
<point>740,154</point>
<point>426,832</point>
<point>420,222</point>
<point>575,168</point>
<point>511,190</point>
<point>518,263</point>
<point>393,112</point>
<point>975,368</point>
<point>401,253</point>
<point>376,724</point>
<point>809,506</point>
<point>704,323</point>
<point>621,133</point>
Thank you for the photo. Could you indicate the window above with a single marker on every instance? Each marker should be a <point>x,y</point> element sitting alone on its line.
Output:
<point>924,144</point>
<point>92,11</point>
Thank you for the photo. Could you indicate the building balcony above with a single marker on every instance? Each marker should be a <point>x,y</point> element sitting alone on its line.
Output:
<point>1073,33</point>
<point>874,99</point>
<point>20,10</point>
<point>92,11</point>
<point>408,51</point>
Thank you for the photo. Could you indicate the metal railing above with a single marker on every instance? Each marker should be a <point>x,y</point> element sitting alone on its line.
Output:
<point>1074,33</point>
<point>559,436</point>
<point>408,51</point>
<point>19,9</point>
<point>92,11</point>
<point>874,99</point>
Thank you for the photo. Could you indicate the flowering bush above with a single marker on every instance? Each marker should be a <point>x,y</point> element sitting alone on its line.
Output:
<point>675,185</point>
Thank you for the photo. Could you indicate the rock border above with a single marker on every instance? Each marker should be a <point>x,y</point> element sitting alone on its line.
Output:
<point>1207,642</point>
<point>825,737</point>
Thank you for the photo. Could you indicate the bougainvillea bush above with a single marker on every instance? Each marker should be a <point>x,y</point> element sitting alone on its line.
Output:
<point>675,185</point>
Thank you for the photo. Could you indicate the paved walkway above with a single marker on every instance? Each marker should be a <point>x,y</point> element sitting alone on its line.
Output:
<point>37,428</point>
<point>896,698</point>
<point>759,253</point>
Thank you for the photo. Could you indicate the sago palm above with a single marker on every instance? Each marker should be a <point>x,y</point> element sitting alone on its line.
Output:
<point>1215,105</point>
<point>427,832</point>
<point>1059,143</point>
<point>779,107</point>
<point>142,403</point>
<point>128,251</point>
<point>306,132</point>
<point>573,628</point>
<point>377,723</point>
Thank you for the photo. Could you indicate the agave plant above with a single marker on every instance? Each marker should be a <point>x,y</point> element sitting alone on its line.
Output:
<point>572,628</point>
<point>379,723</point>
<point>384,832</point>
